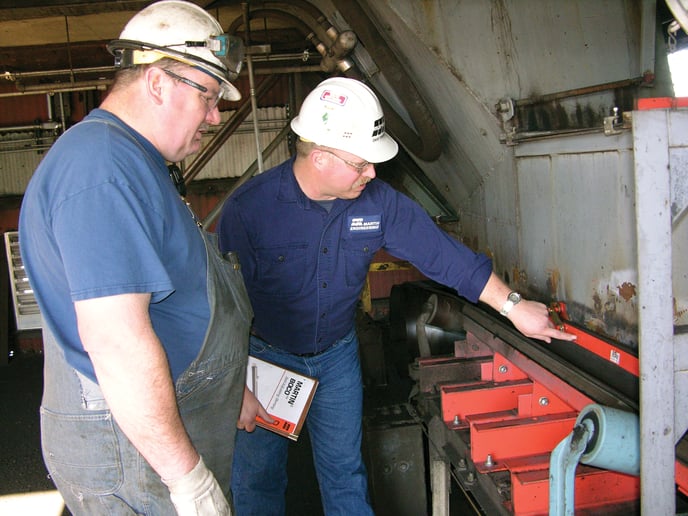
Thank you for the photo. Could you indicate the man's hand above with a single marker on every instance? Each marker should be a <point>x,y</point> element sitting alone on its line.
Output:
<point>532,319</point>
<point>250,408</point>
<point>198,494</point>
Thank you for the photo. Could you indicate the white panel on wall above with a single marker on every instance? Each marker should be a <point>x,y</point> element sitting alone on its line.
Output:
<point>16,169</point>
<point>26,311</point>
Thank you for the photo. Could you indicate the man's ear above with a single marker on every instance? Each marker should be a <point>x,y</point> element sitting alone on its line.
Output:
<point>156,82</point>
<point>317,158</point>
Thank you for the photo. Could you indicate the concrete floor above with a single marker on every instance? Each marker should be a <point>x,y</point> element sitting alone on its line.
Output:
<point>25,487</point>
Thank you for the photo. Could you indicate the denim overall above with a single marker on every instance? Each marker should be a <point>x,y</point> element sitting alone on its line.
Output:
<point>90,460</point>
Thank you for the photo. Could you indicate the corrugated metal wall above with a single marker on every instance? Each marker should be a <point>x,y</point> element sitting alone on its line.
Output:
<point>239,152</point>
<point>577,228</point>
<point>233,158</point>
<point>16,168</point>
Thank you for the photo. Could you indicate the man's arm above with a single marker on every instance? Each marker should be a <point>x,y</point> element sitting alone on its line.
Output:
<point>133,373</point>
<point>529,317</point>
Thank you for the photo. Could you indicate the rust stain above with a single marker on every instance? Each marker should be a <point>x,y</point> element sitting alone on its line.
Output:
<point>610,304</point>
<point>596,325</point>
<point>627,291</point>
<point>553,281</point>
<point>678,312</point>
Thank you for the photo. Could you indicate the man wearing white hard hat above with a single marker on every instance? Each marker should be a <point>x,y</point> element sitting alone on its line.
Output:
<point>145,324</point>
<point>306,232</point>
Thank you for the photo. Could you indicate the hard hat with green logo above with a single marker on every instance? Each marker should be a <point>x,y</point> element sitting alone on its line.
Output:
<point>345,114</point>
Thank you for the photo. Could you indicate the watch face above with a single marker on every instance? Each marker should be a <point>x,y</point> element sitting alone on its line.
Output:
<point>514,297</point>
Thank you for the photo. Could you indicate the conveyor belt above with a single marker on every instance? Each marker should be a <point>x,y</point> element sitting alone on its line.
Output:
<point>495,408</point>
<point>600,379</point>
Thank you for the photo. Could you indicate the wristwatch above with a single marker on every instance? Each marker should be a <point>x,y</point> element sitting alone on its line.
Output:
<point>511,300</point>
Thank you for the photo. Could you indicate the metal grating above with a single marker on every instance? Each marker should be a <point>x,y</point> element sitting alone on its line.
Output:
<point>26,311</point>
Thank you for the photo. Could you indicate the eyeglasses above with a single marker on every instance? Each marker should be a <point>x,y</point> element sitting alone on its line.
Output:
<point>210,102</point>
<point>358,167</point>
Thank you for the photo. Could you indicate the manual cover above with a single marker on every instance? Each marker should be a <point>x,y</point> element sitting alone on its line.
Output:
<point>285,394</point>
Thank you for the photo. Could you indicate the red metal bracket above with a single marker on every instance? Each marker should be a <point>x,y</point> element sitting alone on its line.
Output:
<point>599,347</point>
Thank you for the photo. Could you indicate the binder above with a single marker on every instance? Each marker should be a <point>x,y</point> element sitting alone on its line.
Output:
<point>285,394</point>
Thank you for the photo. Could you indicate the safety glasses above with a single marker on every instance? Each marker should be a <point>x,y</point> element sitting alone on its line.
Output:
<point>358,167</point>
<point>210,102</point>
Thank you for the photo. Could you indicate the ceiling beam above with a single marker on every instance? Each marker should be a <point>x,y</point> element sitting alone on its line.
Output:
<point>49,8</point>
<point>29,9</point>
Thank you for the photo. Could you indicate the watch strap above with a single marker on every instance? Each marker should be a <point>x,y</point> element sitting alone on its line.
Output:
<point>512,299</point>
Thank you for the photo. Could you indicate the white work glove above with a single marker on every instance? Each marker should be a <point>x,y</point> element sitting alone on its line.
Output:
<point>198,494</point>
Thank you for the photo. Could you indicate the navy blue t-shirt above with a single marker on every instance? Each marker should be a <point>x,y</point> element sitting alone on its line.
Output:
<point>304,266</point>
<point>101,217</point>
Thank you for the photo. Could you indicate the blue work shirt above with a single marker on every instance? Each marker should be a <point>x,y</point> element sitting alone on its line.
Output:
<point>100,218</point>
<point>305,267</point>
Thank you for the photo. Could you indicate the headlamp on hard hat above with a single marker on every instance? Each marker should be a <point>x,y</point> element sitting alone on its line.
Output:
<point>185,32</point>
<point>229,50</point>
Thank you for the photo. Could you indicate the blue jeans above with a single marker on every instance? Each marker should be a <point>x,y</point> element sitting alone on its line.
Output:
<point>259,479</point>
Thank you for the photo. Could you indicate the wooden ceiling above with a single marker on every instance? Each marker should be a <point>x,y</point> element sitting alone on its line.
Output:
<point>38,36</point>
<point>49,34</point>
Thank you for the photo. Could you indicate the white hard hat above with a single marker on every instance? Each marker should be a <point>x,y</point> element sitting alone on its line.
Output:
<point>185,32</point>
<point>345,114</point>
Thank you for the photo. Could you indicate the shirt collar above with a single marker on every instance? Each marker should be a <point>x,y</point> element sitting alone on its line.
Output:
<point>289,189</point>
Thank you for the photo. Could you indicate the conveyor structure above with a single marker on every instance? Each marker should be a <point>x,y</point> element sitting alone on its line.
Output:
<point>494,410</point>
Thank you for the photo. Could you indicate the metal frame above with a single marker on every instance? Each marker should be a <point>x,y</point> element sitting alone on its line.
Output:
<point>659,137</point>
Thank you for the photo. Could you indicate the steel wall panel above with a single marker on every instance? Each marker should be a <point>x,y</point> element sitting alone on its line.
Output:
<point>577,232</point>
<point>16,169</point>
<point>240,151</point>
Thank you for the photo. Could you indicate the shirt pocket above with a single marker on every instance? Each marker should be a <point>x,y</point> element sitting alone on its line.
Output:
<point>282,269</point>
<point>358,253</point>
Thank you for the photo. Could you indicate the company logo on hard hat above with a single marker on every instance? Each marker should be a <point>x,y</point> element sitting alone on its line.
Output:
<point>334,98</point>
<point>378,128</point>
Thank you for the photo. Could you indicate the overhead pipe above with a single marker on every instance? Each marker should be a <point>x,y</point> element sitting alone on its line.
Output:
<point>288,18</point>
<point>64,86</point>
<point>106,70</point>
<point>423,140</point>
<point>252,88</point>
<point>333,55</point>
<point>51,90</point>
<point>304,12</point>
<point>18,76</point>
<point>102,84</point>
<point>339,45</point>
<point>44,126</point>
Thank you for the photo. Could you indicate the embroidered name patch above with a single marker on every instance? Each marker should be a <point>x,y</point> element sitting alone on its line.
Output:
<point>364,224</point>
